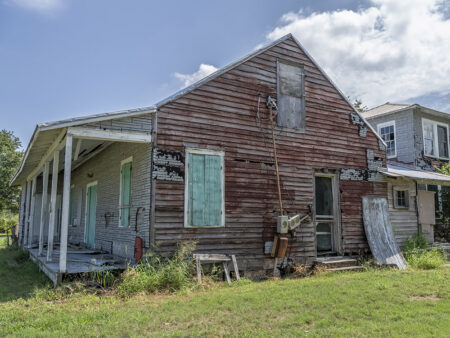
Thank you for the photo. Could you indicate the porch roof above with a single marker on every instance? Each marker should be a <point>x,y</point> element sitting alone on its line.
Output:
<point>48,134</point>
<point>416,174</point>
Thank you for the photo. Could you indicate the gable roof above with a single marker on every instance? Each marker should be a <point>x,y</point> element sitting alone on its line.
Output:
<point>391,108</point>
<point>386,109</point>
<point>240,61</point>
<point>151,109</point>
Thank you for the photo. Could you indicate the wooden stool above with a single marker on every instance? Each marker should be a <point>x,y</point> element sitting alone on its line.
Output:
<point>216,258</point>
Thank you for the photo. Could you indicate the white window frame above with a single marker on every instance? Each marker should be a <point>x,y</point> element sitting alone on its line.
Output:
<point>127,160</point>
<point>186,185</point>
<point>435,124</point>
<point>86,206</point>
<point>388,124</point>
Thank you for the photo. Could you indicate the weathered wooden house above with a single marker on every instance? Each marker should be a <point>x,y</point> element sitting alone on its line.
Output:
<point>417,141</point>
<point>200,166</point>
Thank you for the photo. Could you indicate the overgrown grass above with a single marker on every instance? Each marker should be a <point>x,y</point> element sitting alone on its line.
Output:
<point>19,276</point>
<point>373,303</point>
<point>418,254</point>
<point>157,273</point>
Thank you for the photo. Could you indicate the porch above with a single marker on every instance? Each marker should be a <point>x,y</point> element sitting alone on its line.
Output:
<point>47,177</point>
<point>78,260</point>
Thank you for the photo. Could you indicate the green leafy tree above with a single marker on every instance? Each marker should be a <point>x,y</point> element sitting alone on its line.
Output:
<point>359,106</point>
<point>443,227</point>
<point>10,158</point>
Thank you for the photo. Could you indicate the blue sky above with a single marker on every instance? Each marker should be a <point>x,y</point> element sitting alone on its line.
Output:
<point>64,58</point>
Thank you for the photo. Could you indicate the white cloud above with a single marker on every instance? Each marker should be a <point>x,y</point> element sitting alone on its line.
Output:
<point>203,71</point>
<point>41,6</point>
<point>391,51</point>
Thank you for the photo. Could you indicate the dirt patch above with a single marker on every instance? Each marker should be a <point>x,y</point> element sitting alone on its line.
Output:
<point>433,298</point>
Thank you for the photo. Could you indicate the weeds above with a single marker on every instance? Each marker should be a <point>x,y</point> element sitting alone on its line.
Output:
<point>157,273</point>
<point>418,255</point>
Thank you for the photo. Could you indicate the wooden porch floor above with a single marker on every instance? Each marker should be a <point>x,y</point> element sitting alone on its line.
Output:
<point>79,260</point>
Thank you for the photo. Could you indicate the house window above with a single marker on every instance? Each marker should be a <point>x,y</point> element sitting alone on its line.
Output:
<point>442,133</point>
<point>401,198</point>
<point>204,190</point>
<point>387,133</point>
<point>290,95</point>
<point>435,139</point>
<point>125,192</point>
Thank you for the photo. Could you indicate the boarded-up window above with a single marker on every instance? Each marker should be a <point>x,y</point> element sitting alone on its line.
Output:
<point>125,192</point>
<point>204,205</point>
<point>290,95</point>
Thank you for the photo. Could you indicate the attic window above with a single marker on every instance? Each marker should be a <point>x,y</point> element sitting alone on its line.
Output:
<point>290,95</point>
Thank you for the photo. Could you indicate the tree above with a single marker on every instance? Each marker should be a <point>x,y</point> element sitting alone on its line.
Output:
<point>359,106</point>
<point>443,227</point>
<point>10,158</point>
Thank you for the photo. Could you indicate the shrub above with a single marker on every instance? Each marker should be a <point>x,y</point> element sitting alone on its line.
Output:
<point>418,255</point>
<point>416,242</point>
<point>157,273</point>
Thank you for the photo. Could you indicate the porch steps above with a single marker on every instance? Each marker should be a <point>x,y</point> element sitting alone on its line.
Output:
<point>338,263</point>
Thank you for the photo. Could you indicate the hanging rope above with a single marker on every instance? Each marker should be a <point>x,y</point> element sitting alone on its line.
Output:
<point>271,103</point>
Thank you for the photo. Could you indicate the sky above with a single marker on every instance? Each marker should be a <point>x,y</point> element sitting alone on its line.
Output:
<point>66,58</point>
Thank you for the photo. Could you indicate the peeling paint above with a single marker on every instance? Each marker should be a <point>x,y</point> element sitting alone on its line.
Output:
<point>357,120</point>
<point>168,165</point>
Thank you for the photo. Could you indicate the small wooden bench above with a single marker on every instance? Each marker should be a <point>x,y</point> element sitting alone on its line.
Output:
<point>216,258</point>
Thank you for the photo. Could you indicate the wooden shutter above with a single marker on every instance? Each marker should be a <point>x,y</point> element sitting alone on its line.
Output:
<point>204,190</point>
<point>125,198</point>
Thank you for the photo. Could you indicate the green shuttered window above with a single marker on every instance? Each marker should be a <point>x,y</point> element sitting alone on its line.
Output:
<point>125,192</point>
<point>204,189</point>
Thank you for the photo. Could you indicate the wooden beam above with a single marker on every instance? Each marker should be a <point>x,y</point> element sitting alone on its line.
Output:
<point>43,208</point>
<point>77,149</point>
<point>47,154</point>
<point>22,217</point>
<point>52,218</point>
<point>65,205</point>
<point>27,216</point>
<point>33,202</point>
<point>91,155</point>
<point>109,135</point>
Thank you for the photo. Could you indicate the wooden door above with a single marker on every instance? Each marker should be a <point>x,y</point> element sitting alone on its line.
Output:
<point>327,217</point>
<point>91,210</point>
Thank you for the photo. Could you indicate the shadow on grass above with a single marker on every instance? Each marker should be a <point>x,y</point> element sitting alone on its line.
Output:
<point>19,276</point>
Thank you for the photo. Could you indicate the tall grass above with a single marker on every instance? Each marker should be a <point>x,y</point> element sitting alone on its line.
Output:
<point>419,255</point>
<point>157,273</point>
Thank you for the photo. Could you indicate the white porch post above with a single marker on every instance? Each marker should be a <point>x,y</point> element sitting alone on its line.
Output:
<point>65,205</point>
<point>22,216</point>
<point>52,218</point>
<point>43,208</point>
<point>27,214</point>
<point>33,200</point>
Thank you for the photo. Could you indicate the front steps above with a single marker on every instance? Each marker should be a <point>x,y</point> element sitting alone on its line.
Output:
<point>338,263</point>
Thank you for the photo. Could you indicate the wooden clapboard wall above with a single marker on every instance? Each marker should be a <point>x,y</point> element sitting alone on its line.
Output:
<point>229,113</point>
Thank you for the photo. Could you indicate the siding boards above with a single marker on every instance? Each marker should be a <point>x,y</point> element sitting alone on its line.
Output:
<point>224,114</point>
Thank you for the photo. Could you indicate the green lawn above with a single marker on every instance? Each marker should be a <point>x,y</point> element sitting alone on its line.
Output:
<point>373,303</point>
